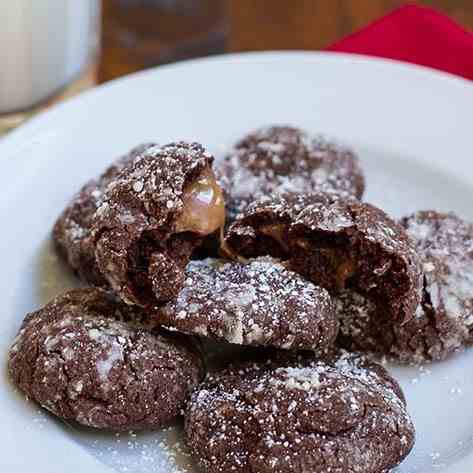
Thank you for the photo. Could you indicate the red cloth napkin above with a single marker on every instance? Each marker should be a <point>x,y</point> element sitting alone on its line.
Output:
<point>415,34</point>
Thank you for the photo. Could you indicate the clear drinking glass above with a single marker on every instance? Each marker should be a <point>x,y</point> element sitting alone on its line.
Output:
<point>143,33</point>
<point>48,50</point>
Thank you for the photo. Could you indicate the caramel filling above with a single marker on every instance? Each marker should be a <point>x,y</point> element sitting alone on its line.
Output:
<point>345,271</point>
<point>330,267</point>
<point>304,244</point>
<point>341,265</point>
<point>276,232</point>
<point>204,207</point>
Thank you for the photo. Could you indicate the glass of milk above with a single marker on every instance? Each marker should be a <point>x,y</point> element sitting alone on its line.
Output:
<point>48,49</point>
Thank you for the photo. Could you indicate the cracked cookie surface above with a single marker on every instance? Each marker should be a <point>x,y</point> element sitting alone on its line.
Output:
<point>336,243</point>
<point>443,322</point>
<point>278,159</point>
<point>258,303</point>
<point>146,225</point>
<point>141,219</point>
<point>344,414</point>
<point>88,358</point>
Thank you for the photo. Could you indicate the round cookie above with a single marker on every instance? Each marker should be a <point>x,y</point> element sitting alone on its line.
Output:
<point>257,303</point>
<point>443,322</point>
<point>279,159</point>
<point>72,230</point>
<point>444,243</point>
<point>153,215</point>
<point>88,358</point>
<point>345,415</point>
<point>336,243</point>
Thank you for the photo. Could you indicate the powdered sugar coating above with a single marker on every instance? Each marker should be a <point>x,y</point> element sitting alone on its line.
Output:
<point>134,229</point>
<point>443,322</point>
<point>259,303</point>
<point>72,230</point>
<point>154,183</point>
<point>366,219</point>
<point>89,358</point>
<point>280,159</point>
<point>345,415</point>
<point>444,243</point>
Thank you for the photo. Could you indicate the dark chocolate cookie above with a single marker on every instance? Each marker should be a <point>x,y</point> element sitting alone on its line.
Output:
<point>279,159</point>
<point>443,322</point>
<point>345,415</point>
<point>150,217</point>
<point>72,231</point>
<point>336,243</point>
<point>444,243</point>
<point>259,303</point>
<point>263,227</point>
<point>88,358</point>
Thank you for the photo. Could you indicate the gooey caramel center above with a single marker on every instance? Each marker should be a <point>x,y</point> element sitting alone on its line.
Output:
<point>204,206</point>
<point>345,271</point>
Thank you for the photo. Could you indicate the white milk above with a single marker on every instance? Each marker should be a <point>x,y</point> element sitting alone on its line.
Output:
<point>44,45</point>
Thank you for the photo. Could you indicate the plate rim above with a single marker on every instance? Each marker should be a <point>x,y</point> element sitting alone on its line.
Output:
<point>41,123</point>
<point>275,55</point>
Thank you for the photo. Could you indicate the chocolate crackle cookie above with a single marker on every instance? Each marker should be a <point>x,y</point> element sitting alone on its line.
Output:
<point>344,415</point>
<point>336,243</point>
<point>150,217</point>
<point>72,231</point>
<point>259,303</point>
<point>153,216</point>
<point>443,322</point>
<point>88,358</point>
<point>278,159</point>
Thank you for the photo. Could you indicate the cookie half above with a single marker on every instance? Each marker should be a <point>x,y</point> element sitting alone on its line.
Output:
<point>336,243</point>
<point>135,229</point>
<point>259,303</point>
<point>443,322</point>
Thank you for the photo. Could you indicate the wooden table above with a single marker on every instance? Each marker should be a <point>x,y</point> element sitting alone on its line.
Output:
<point>283,24</point>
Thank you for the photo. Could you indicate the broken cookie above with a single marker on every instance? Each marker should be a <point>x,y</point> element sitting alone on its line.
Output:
<point>259,303</point>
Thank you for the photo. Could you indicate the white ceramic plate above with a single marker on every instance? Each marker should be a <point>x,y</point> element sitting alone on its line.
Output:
<point>412,127</point>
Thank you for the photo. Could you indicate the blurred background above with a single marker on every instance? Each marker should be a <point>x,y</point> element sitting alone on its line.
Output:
<point>52,49</point>
<point>237,25</point>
